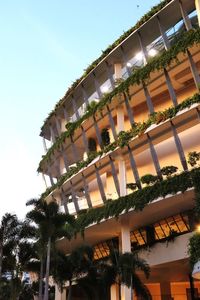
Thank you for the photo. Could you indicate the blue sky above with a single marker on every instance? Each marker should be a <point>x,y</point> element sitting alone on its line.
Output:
<point>45,46</point>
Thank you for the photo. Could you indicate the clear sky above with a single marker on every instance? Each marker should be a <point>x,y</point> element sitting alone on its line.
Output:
<point>44,46</point>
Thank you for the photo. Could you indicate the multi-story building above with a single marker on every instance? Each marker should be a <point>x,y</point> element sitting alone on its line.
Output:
<point>135,111</point>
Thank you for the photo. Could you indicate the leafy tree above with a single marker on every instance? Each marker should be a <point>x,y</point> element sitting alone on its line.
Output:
<point>51,225</point>
<point>8,230</point>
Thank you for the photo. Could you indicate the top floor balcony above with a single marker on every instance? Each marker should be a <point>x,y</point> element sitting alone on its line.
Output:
<point>156,32</point>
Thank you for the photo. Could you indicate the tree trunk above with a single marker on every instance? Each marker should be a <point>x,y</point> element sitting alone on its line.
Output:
<point>131,287</point>
<point>1,258</point>
<point>46,291</point>
<point>70,291</point>
<point>41,279</point>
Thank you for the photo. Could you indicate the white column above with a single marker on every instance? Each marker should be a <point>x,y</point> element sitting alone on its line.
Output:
<point>60,295</point>
<point>118,70</point>
<point>197,4</point>
<point>165,290</point>
<point>125,247</point>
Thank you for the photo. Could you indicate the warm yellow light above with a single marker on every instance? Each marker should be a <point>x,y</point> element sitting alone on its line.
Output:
<point>152,52</point>
<point>139,56</point>
<point>198,228</point>
<point>129,65</point>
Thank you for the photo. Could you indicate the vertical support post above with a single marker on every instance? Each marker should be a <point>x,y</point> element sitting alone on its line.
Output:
<point>170,88</point>
<point>87,194</point>
<point>97,86</point>
<point>197,4</point>
<point>100,184</point>
<point>60,295</point>
<point>85,143</point>
<point>163,34</point>
<point>44,179</point>
<point>125,61</point>
<point>126,247</point>
<point>134,167</point>
<point>154,155</point>
<point>114,292</point>
<point>75,108</point>
<point>58,127</point>
<point>114,174</point>
<point>185,17</point>
<point>85,96</point>
<point>97,131</point>
<point>128,108</point>
<point>64,201</point>
<point>44,145</point>
<point>74,150</point>
<point>66,162</point>
<point>148,99</point>
<point>112,123</point>
<point>110,75</point>
<point>50,178</point>
<point>65,113</point>
<point>165,290</point>
<point>74,199</point>
<point>192,290</point>
<point>52,133</point>
<point>122,176</point>
<point>179,147</point>
<point>194,71</point>
<point>143,48</point>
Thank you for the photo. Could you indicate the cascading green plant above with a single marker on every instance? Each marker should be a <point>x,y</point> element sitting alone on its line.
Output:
<point>144,19</point>
<point>187,40</point>
<point>122,141</point>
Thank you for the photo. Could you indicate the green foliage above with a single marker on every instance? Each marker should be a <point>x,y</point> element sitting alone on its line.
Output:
<point>168,170</point>
<point>193,158</point>
<point>123,140</point>
<point>149,179</point>
<point>132,186</point>
<point>187,39</point>
<point>140,198</point>
<point>144,19</point>
<point>105,136</point>
<point>194,249</point>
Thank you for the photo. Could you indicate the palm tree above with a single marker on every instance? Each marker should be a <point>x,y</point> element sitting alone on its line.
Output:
<point>51,225</point>
<point>128,265</point>
<point>8,229</point>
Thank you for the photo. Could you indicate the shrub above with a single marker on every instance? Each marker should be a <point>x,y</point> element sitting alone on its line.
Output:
<point>194,249</point>
<point>193,158</point>
<point>131,186</point>
<point>149,179</point>
<point>168,170</point>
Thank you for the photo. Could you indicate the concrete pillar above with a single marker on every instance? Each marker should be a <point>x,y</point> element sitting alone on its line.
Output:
<point>125,247</point>
<point>114,292</point>
<point>165,290</point>
<point>197,4</point>
<point>122,176</point>
<point>120,119</point>
<point>118,70</point>
<point>60,295</point>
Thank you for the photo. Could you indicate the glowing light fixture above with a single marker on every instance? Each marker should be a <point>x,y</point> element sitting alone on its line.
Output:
<point>152,52</point>
<point>105,89</point>
<point>139,56</point>
<point>129,65</point>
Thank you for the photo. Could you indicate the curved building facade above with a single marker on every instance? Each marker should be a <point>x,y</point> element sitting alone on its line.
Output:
<point>120,144</point>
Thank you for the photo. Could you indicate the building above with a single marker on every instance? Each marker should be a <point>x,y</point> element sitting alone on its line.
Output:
<point>135,111</point>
